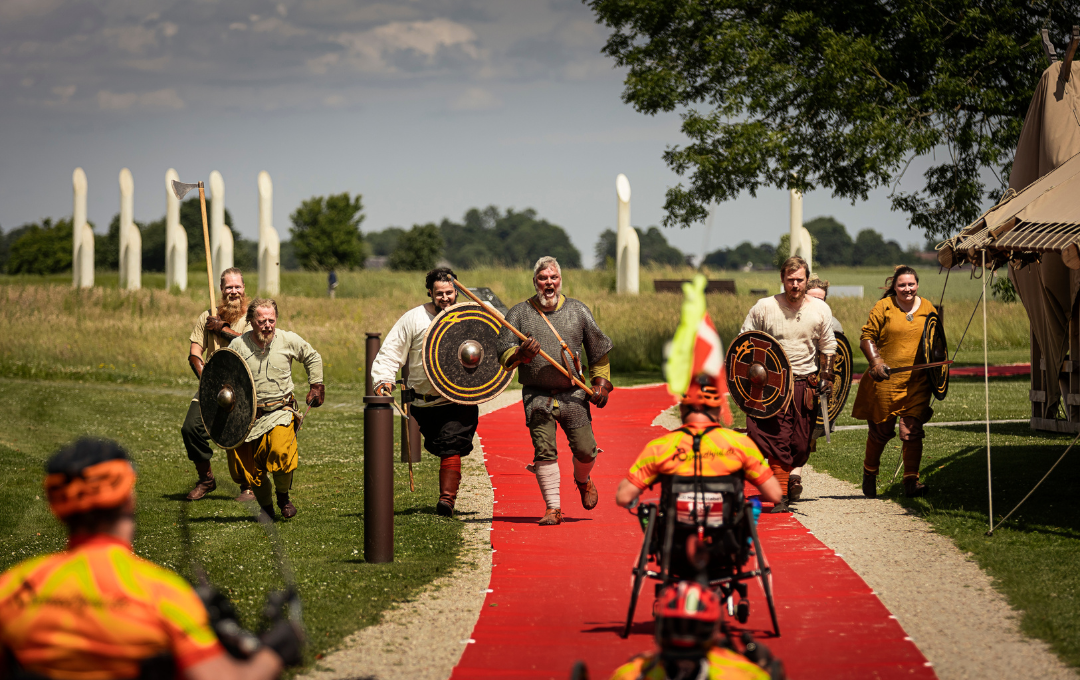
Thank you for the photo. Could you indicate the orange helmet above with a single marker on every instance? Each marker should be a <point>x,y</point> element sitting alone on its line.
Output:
<point>91,474</point>
<point>702,393</point>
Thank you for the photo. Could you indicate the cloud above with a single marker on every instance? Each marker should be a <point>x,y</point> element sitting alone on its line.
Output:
<point>475,99</point>
<point>156,100</point>
<point>376,49</point>
<point>132,39</point>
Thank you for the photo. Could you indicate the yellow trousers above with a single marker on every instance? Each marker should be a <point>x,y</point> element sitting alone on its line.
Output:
<point>274,453</point>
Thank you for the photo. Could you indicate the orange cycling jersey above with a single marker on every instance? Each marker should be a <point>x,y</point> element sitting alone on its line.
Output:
<point>723,452</point>
<point>96,611</point>
<point>724,664</point>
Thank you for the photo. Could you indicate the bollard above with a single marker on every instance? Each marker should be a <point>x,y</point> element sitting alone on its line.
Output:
<point>371,349</point>
<point>410,453</point>
<point>378,480</point>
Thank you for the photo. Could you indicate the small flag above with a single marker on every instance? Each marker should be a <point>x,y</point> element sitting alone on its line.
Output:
<point>696,352</point>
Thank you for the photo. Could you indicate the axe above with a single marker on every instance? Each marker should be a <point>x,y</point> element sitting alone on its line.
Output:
<point>181,190</point>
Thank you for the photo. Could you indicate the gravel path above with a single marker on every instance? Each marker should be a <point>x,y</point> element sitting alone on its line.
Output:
<point>423,638</point>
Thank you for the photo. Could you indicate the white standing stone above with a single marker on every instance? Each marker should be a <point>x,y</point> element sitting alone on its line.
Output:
<point>130,237</point>
<point>801,244</point>
<point>627,248</point>
<point>221,237</point>
<point>82,236</point>
<point>269,241</point>
<point>176,243</point>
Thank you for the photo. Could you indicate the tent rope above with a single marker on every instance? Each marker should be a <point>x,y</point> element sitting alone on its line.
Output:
<point>957,350</point>
<point>1003,519</point>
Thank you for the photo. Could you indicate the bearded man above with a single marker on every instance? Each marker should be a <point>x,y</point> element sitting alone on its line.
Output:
<point>270,447</point>
<point>562,327</point>
<point>211,333</point>
<point>803,327</point>
<point>447,427</point>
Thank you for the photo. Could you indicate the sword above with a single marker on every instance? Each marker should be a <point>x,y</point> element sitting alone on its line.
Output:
<point>822,399</point>
<point>916,367</point>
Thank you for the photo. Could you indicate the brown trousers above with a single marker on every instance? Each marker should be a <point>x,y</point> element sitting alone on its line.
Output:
<point>911,436</point>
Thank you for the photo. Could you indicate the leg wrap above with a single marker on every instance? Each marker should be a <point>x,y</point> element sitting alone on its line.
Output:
<point>781,472</point>
<point>912,457</point>
<point>582,470</point>
<point>872,459</point>
<point>449,479</point>
<point>547,475</point>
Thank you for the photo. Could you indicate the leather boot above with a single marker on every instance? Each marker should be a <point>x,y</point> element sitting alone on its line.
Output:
<point>794,486</point>
<point>246,494</point>
<point>913,489</point>
<point>288,510</point>
<point>449,481</point>
<point>872,459</point>
<point>206,482</point>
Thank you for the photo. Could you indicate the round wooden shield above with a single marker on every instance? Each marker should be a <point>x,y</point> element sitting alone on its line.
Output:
<point>933,348</point>
<point>842,380</point>
<point>461,357</point>
<point>227,398</point>
<point>759,374</point>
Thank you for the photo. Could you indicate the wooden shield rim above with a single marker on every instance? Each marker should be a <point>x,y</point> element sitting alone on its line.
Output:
<point>938,377</point>
<point>841,389</point>
<point>501,375</point>
<point>729,358</point>
<point>254,397</point>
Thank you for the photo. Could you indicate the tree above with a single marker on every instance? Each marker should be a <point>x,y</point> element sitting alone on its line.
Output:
<point>6,241</point>
<point>760,256</point>
<point>835,244</point>
<point>871,249</point>
<point>837,96</point>
<point>42,249</point>
<point>191,221</point>
<point>382,243</point>
<point>417,249</point>
<point>326,232</point>
<point>783,251</point>
<point>653,249</point>
<point>517,239</point>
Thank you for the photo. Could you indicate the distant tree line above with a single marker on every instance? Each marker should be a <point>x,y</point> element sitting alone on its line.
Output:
<point>833,247</point>
<point>653,249</point>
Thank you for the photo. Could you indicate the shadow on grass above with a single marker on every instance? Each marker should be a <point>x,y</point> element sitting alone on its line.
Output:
<point>959,485</point>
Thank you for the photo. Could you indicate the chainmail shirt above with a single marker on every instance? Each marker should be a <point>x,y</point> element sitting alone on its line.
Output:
<point>541,382</point>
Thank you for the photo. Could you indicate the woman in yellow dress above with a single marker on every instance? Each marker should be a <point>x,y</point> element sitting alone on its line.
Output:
<point>891,337</point>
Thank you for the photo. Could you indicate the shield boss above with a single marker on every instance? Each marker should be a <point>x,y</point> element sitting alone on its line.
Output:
<point>227,398</point>
<point>759,374</point>
<point>842,380</point>
<point>461,356</point>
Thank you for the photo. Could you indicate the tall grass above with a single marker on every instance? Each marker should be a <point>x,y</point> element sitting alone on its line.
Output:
<point>52,331</point>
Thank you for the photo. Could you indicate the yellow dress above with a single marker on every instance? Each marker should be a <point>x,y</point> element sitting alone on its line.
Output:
<point>897,340</point>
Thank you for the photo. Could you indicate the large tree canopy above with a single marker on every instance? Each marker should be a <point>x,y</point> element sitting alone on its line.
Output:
<point>836,95</point>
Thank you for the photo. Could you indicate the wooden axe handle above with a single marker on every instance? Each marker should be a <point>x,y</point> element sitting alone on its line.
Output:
<point>206,242</point>
<point>521,336</point>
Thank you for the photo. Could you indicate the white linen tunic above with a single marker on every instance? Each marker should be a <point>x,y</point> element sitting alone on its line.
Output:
<point>405,343</point>
<point>802,333</point>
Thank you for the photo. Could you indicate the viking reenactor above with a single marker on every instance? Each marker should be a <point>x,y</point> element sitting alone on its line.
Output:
<point>448,427</point>
<point>892,337</point>
<point>803,327</point>
<point>97,610</point>
<point>269,450</point>
<point>561,327</point>
<point>210,333</point>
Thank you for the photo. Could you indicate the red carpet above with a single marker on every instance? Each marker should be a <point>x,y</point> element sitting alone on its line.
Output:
<point>1003,371</point>
<point>560,594</point>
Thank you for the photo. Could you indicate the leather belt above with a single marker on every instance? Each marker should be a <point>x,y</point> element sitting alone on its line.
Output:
<point>272,406</point>
<point>428,397</point>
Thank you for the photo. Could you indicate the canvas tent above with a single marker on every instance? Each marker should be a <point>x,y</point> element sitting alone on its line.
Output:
<point>1035,231</point>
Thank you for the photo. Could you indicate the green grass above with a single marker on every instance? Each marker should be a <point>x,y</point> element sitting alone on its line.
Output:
<point>1032,558</point>
<point>324,542</point>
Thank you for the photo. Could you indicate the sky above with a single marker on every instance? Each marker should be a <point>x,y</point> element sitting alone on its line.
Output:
<point>426,109</point>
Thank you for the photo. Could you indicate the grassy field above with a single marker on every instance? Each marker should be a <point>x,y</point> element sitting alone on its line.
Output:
<point>105,334</point>
<point>324,542</point>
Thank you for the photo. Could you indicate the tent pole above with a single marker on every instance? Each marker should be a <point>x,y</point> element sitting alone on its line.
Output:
<point>986,383</point>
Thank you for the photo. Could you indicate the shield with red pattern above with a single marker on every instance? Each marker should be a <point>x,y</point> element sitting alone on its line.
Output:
<point>759,374</point>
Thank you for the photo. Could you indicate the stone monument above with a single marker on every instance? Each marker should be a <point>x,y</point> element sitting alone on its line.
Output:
<point>82,236</point>
<point>801,244</point>
<point>176,243</point>
<point>269,242</point>
<point>130,237</point>
<point>627,248</point>
<point>221,237</point>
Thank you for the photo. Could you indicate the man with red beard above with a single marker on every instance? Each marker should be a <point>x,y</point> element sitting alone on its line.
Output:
<point>270,451</point>
<point>562,327</point>
<point>448,428</point>
<point>211,333</point>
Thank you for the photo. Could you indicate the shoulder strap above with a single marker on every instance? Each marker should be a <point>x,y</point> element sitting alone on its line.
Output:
<point>565,349</point>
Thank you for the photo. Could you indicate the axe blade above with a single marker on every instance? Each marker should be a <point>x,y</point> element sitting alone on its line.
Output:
<point>181,189</point>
